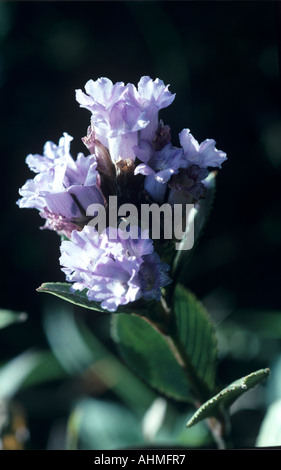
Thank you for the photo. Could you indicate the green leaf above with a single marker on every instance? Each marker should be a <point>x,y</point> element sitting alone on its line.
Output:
<point>182,365</point>
<point>66,341</point>
<point>270,430</point>
<point>201,216</point>
<point>102,425</point>
<point>63,291</point>
<point>47,369</point>
<point>79,298</point>
<point>228,395</point>
<point>26,370</point>
<point>196,336</point>
<point>8,317</point>
<point>15,372</point>
<point>152,355</point>
<point>78,350</point>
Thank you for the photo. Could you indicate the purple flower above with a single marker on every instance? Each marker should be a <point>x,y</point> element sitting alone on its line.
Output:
<point>203,155</point>
<point>158,168</point>
<point>121,114</point>
<point>115,271</point>
<point>151,96</point>
<point>62,188</point>
<point>184,168</point>
<point>187,186</point>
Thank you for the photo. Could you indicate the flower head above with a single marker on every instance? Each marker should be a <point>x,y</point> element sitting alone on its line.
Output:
<point>121,113</point>
<point>114,270</point>
<point>133,161</point>
<point>62,188</point>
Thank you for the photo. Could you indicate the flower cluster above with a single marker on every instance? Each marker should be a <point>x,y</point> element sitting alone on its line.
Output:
<point>62,188</point>
<point>115,272</point>
<point>131,156</point>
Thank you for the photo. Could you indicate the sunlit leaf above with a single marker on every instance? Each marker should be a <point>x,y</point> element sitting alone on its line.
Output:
<point>102,425</point>
<point>228,395</point>
<point>26,370</point>
<point>270,430</point>
<point>15,372</point>
<point>63,291</point>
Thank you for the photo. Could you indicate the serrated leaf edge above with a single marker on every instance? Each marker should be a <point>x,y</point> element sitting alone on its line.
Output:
<point>170,344</point>
<point>203,311</point>
<point>214,401</point>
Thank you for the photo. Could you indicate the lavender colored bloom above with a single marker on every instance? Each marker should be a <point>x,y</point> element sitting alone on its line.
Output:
<point>113,270</point>
<point>121,112</point>
<point>132,158</point>
<point>184,168</point>
<point>203,155</point>
<point>62,188</point>
<point>188,185</point>
<point>158,168</point>
<point>152,95</point>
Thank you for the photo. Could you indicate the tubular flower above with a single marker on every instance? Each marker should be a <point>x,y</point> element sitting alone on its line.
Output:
<point>114,271</point>
<point>159,167</point>
<point>121,113</point>
<point>62,188</point>
<point>185,167</point>
<point>203,155</point>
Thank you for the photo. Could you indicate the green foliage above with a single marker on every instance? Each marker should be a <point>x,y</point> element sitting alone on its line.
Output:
<point>270,431</point>
<point>181,364</point>
<point>171,351</point>
<point>152,355</point>
<point>226,397</point>
<point>8,317</point>
<point>102,425</point>
<point>96,424</point>
<point>14,373</point>
<point>80,351</point>
<point>196,336</point>
<point>63,291</point>
<point>26,370</point>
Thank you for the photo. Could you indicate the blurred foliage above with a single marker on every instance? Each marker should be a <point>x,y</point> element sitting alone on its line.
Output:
<point>59,371</point>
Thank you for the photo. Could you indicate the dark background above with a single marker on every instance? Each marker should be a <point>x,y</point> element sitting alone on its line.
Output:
<point>221,60</point>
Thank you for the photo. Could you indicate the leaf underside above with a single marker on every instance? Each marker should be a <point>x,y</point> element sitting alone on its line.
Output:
<point>228,395</point>
<point>64,291</point>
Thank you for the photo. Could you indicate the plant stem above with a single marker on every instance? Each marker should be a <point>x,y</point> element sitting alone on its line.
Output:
<point>217,429</point>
